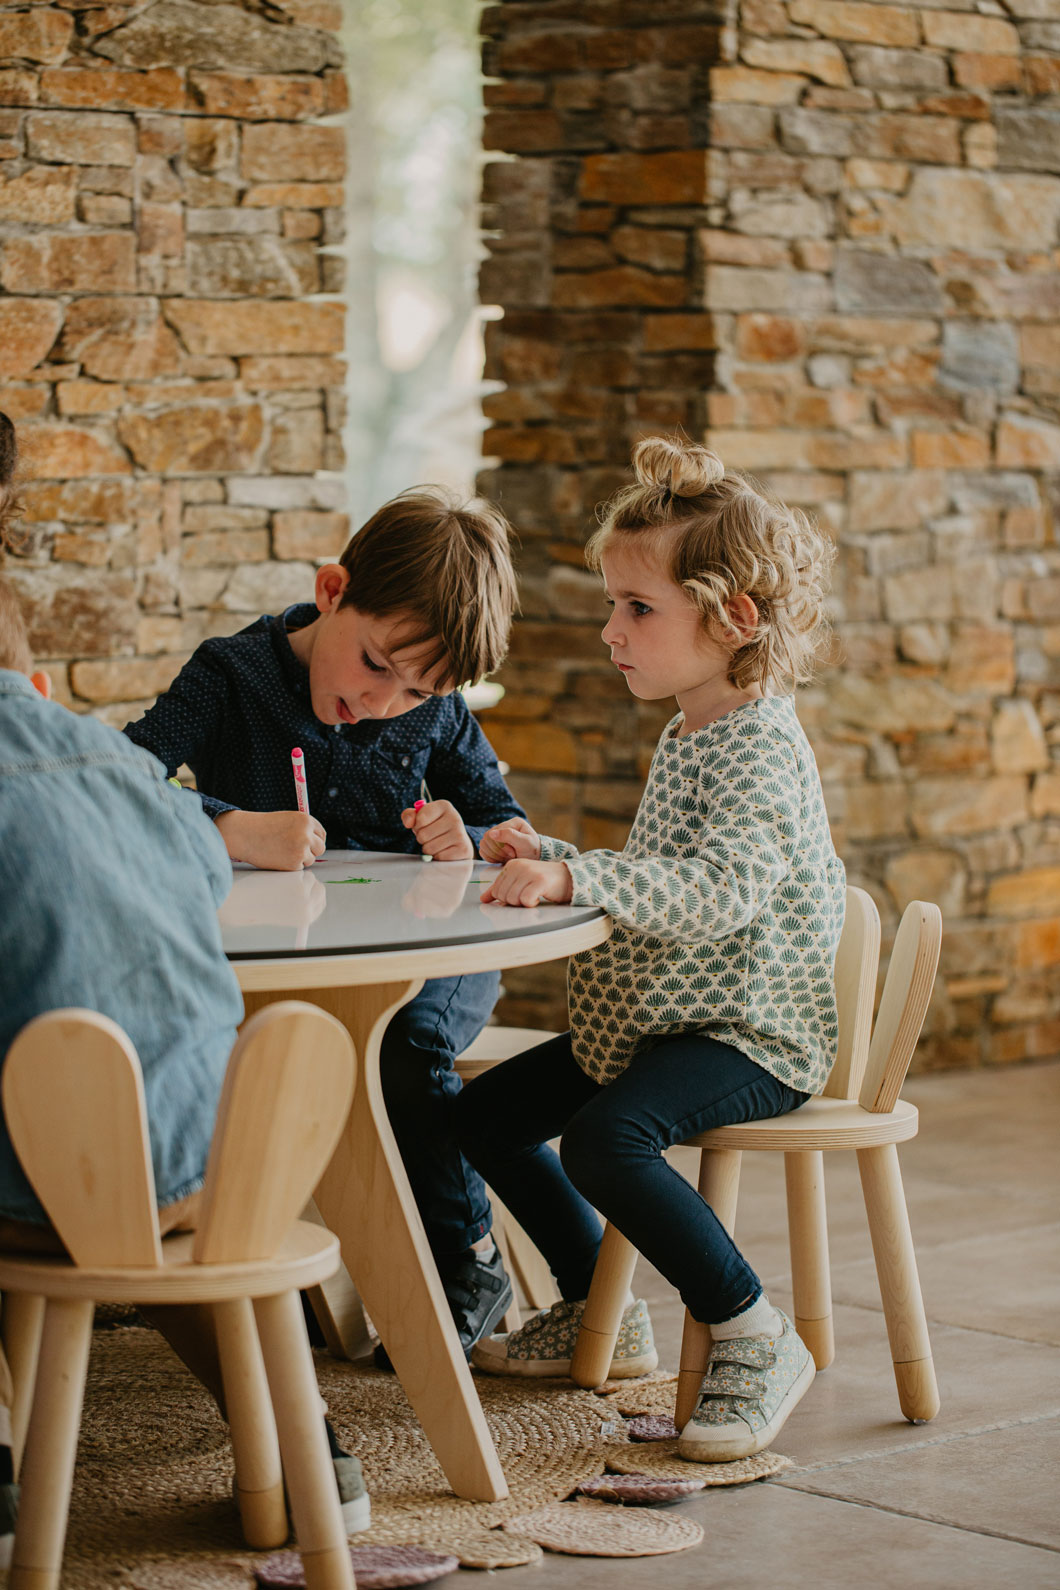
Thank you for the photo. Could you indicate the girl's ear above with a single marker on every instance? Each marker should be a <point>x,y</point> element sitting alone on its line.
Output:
<point>743,616</point>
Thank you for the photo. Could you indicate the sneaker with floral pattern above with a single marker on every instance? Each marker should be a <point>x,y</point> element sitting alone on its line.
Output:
<point>543,1346</point>
<point>751,1385</point>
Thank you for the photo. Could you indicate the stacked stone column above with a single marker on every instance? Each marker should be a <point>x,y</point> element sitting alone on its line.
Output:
<point>823,236</point>
<point>171,190</point>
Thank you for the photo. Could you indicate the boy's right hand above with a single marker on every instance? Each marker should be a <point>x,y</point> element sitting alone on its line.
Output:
<point>275,841</point>
<point>511,841</point>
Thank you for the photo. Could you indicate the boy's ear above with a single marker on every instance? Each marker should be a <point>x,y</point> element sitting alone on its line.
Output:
<point>743,616</point>
<point>42,683</point>
<point>331,582</point>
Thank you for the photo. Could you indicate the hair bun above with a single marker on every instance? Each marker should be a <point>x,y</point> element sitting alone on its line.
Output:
<point>678,467</point>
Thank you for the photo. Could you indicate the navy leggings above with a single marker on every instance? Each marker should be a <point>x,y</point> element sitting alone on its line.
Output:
<point>611,1158</point>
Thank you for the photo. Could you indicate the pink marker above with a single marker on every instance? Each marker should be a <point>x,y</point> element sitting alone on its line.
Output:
<point>300,790</point>
<point>425,796</point>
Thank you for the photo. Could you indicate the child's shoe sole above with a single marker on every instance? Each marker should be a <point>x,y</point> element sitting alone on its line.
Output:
<point>699,1444</point>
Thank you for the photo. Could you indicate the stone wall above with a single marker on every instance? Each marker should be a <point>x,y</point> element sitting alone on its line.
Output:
<point>822,235</point>
<point>170,183</point>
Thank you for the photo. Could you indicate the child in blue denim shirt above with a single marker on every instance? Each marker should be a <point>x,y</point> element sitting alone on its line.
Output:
<point>364,679</point>
<point>111,879</point>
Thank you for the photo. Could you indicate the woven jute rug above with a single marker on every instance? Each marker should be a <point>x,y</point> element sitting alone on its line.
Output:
<point>152,1505</point>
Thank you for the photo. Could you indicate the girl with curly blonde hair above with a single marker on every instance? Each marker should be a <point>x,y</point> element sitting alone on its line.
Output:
<point>713,1001</point>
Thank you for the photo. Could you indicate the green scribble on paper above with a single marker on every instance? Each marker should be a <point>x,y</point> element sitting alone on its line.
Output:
<point>351,880</point>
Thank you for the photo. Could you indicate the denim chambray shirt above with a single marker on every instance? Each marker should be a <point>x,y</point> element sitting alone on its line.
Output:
<point>110,881</point>
<point>237,709</point>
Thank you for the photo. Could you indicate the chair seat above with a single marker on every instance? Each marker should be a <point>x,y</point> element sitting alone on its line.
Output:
<point>820,1123</point>
<point>495,1044</point>
<point>307,1256</point>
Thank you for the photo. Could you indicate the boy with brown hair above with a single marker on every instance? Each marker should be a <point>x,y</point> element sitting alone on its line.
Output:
<point>365,680</point>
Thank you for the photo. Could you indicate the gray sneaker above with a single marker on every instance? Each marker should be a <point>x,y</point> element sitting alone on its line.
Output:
<point>543,1346</point>
<point>356,1503</point>
<point>751,1385</point>
<point>354,1499</point>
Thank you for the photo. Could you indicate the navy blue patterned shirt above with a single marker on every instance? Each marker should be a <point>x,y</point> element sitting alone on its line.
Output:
<point>241,704</point>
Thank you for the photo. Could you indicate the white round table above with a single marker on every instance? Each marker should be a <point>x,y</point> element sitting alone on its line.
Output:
<point>359,933</point>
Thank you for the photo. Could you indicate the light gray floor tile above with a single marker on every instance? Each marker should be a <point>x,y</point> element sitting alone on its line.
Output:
<point>768,1537</point>
<point>999,1482</point>
<point>1004,1284</point>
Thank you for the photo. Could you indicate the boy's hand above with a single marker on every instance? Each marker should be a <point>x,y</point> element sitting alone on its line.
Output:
<point>276,841</point>
<point>439,830</point>
<point>529,883</point>
<point>509,841</point>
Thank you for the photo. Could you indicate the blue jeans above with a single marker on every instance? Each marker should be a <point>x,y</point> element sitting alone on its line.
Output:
<point>611,1158</point>
<point>420,1087</point>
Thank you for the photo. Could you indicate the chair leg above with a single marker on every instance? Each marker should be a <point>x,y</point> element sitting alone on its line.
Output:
<point>591,1360</point>
<point>527,1265</point>
<point>21,1326</point>
<point>337,1305</point>
<point>719,1184</point>
<point>51,1442</point>
<point>259,1477</point>
<point>903,1302</point>
<point>811,1277</point>
<point>512,1318</point>
<point>307,1464</point>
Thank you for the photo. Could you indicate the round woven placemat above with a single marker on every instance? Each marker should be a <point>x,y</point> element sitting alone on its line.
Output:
<point>498,1550</point>
<point>660,1459</point>
<point>652,1427</point>
<point>654,1394</point>
<point>152,1500</point>
<point>599,1529</point>
<point>374,1567</point>
<point>639,1490</point>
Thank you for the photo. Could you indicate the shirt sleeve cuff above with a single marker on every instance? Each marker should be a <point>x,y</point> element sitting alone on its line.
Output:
<point>557,849</point>
<point>215,808</point>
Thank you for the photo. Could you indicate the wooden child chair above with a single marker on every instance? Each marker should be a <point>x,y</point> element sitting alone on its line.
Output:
<point>73,1098</point>
<point>859,1109</point>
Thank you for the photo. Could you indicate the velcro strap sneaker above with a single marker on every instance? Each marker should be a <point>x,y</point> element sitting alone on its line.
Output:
<point>751,1385</point>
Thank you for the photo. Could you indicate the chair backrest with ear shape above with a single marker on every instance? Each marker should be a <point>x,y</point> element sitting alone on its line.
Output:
<point>903,1004</point>
<point>856,964</point>
<point>285,1101</point>
<point>73,1097</point>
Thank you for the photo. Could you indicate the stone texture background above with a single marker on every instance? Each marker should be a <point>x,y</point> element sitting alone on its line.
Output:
<point>171,188</point>
<point>822,235</point>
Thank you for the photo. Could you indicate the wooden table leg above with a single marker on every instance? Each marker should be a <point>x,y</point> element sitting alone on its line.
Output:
<point>365,1198</point>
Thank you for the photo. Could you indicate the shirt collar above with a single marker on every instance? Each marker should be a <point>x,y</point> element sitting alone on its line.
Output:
<point>15,684</point>
<point>296,616</point>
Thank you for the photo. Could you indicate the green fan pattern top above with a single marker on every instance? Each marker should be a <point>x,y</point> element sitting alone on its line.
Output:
<point>727,901</point>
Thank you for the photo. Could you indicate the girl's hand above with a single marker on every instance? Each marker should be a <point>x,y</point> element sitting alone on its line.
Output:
<point>529,883</point>
<point>510,840</point>
<point>440,831</point>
